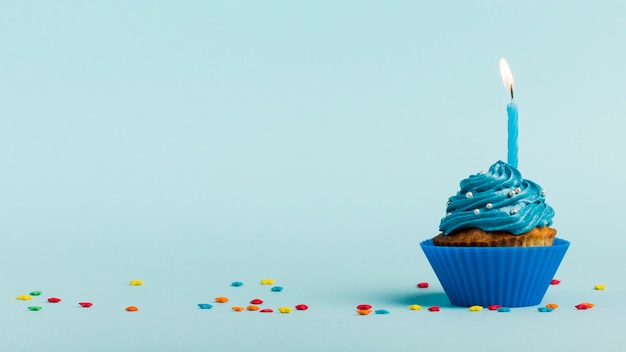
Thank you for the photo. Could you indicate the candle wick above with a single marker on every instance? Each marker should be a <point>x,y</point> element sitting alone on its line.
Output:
<point>511,86</point>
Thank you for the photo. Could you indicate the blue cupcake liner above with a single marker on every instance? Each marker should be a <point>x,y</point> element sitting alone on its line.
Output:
<point>508,276</point>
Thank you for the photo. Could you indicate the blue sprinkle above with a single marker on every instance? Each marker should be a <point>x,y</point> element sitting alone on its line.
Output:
<point>205,306</point>
<point>237,283</point>
<point>381,311</point>
<point>277,288</point>
<point>545,309</point>
<point>504,309</point>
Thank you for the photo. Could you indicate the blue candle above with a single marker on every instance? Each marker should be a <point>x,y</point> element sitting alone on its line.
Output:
<point>511,109</point>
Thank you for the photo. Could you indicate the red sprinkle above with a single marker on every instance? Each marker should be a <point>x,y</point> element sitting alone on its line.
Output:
<point>423,285</point>
<point>582,306</point>
<point>54,300</point>
<point>434,309</point>
<point>85,304</point>
<point>555,282</point>
<point>363,307</point>
<point>256,301</point>
<point>266,310</point>
<point>494,307</point>
<point>302,307</point>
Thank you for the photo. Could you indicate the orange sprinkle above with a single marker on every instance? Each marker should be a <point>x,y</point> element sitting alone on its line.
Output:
<point>131,309</point>
<point>363,311</point>
<point>221,299</point>
<point>238,308</point>
<point>252,308</point>
<point>552,305</point>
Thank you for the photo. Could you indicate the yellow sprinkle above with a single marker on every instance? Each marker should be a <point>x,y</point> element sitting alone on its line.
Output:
<point>599,287</point>
<point>285,310</point>
<point>24,297</point>
<point>415,307</point>
<point>476,308</point>
<point>136,282</point>
<point>552,305</point>
<point>267,282</point>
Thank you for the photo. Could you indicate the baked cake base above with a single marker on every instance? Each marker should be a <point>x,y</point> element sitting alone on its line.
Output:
<point>474,237</point>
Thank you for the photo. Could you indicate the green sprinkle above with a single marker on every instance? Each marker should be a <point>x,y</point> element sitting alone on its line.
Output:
<point>35,293</point>
<point>34,308</point>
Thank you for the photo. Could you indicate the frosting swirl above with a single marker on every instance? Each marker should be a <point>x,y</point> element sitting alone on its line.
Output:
<point>498,200</point>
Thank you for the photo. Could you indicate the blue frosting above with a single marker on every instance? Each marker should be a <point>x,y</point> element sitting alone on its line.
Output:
<point>498,200</point>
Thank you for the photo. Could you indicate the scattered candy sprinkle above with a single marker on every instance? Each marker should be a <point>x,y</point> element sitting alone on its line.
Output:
<point>434,309</point>
<point>236,283</point>
<point>363,311</point>
<point>284,310</point>
<point>256,301</point>
<point>266,310</point>
<point>54,300</point>
<point>415,307</point>
<point>252,308</point>
<point>545,309</point>
<point>381,311</point>
<point>238,308</point>
<point>494,307</point>
<point>582,306</point>
<point>476,308</point>
<point>267,282</point>
<point>422,285</point>
<point>555,282</point>
<point>136,282</point>
<point>34,308</point>
<point>552,305</point>
<point>131,309</point>
<point>85,304</point>
<point>204,306</point>
<point>221,299</point>
<point>24,297</point>
<point>597,287</point>
<point>35,293</point>
<point>302,307</point>
<point>590,305</point>
<point>277,289</point>
<point>364,307</point>
<point>504,310</point>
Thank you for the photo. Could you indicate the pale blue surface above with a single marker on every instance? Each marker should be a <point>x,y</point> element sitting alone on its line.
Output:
<point>190,144</point>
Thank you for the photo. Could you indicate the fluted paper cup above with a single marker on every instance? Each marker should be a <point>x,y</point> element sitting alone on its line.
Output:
<point>507,276</point>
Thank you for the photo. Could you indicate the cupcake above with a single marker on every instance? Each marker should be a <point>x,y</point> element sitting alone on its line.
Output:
<point>496,244</point>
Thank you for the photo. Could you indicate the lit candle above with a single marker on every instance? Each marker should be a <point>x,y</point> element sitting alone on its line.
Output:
<point>511,109</point>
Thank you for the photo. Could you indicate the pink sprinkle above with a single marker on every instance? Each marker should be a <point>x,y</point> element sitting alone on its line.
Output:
<point>85,304</point>
<point>266,310</point>
<point>54,300</point>
<point>494,307</point>
<point>582,306</point>
<point>363,307</point>
<point>423,285</point>
<point>555,282</point>
<point>256,301</point>
<point>434,309</point>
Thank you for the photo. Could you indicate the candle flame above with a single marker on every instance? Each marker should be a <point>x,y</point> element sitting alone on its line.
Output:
<point>507,76</point>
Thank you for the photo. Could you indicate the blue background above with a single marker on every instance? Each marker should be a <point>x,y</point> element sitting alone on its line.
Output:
<point>194,143</point>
